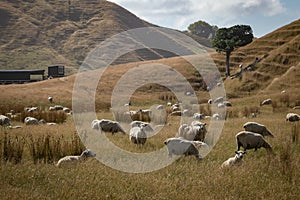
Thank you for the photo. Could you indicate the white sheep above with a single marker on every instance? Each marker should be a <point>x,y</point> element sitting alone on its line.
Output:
<point>216,116</point>
<point>227,104</point>
<point>250,140</point>
<point>218,100</point>
<point>4,121</point>
<point>31,121</point>
<point>50,99</point>
<point>147,126</point>
<point>75,159</point>
<point>237,160</point>
<point>137,135</point>
<point>169,104</point>
<point>292,117</point>
<point>266,102</point>
<point>199,116</point>
<point>195,131</point>
<point>31,109</point>
<point>180,146</point>
<point>257,128</point>
<point>296,107</point>
<point>107,126</point>
<point>160,107</point>
<point>66,109</point>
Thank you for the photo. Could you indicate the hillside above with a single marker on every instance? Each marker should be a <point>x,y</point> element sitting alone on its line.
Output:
<point>276,52</point>
<point>38,33</point>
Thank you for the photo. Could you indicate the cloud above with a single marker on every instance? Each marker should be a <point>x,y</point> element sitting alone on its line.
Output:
<point>180,13</point>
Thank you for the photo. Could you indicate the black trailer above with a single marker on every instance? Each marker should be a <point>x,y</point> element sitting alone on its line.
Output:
<point>21,76</point>
<point>56,71</point>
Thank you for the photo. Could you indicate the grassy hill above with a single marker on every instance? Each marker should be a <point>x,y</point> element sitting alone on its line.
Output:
<point>276,51</point>
<point>36,34</point>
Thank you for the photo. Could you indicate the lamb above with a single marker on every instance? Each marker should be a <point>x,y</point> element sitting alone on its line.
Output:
<point>257,128</point>
<point>266,102</point>
<point>75,159</point>
<point>196,131</point>
<point>292,117</point>
<point>237,160</point>
<point>31,121</point>
<point>137,135</point>
<point>107,126</point>
<point>4,121</point>
<point>179,146</point>
<point>250,140</point>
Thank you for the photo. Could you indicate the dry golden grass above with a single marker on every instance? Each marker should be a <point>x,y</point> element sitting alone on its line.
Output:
<point>261,177</point>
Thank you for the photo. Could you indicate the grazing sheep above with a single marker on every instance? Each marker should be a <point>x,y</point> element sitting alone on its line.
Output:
<point>237,160</point>
<point>145,115</point>
<point>257,128</point>
<point>195,131</point>
<point>107,126</point>
<point>66,110</point>
<point>31,109</point>
<point>180,146</point>
<point>176,113</point>
<point>250,140</point>
<point>147,127</point>
<point>296,107</point>
<point>31,121</point>
<point>75,159</point>
<point>137,135</point>
<point>266,102</point>
<point>292,117</point>
<point>50,99</point>
<point>210,101</point>
<point>169,104</point>
<point>199,116</point>
<point>160,107</point>
<point>227,104</point>
<point>221,105</point>
<point>14,127</point>
<point>216,116</point>
<point>4,121</point>
<point>218,100</point>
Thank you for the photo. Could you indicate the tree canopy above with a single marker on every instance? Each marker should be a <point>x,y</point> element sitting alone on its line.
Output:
<point>203,29</point>
<point>227,39</point>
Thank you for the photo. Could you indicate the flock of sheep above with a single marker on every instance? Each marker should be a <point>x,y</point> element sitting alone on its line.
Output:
<point>188,139</point>
<point>5,120</point>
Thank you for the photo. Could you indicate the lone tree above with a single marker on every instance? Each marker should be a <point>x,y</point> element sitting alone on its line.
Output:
<point>229,38</point>
<point>203,29</point>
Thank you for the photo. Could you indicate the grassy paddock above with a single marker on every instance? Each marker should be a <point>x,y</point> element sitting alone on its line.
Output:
<point>35,176</point>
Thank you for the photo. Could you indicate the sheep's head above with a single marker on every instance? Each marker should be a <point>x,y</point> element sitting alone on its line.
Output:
<point>88,153</point>
<point>239,154</point>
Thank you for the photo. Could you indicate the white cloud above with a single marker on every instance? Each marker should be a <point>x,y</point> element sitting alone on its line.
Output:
<point>180,13</point>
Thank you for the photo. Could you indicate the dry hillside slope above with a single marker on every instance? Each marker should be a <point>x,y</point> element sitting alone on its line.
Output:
<point>39,33</point>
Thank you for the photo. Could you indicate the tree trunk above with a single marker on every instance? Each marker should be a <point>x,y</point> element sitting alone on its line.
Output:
<point>227,63</point>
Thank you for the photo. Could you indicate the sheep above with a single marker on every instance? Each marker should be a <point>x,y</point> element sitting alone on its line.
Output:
<point>147,126</point>
<point>145,115</point>
<point>66,109</point>
<point>50,99</point>
<point>198,116</point>
<point>257,128</point>
<point>266,102</point>
<point>296,107</point>
<point>160,107</point>
<point>292,117</point>
<point>169,104</point>
<point>250,140</point>
<point>195,131</point>
<point>31,121</point>
<point>179,146</point>
<point>31,109</point>
<point>176,113</point>
<point>4,121</point>
<point>137,135</point>
<point>107,126</point>
<point>237,160</point>
<point>221,105</point>
<point>218,100</point>
<point>227,104</point>
<point>216,116</point>
<point>75,159</point>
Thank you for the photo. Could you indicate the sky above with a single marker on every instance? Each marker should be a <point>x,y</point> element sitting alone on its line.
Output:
<point>264,16</point>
